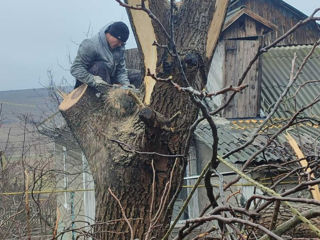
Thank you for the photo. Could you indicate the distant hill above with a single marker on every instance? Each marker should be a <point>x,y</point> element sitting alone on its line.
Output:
<point>35,102</point>
<point>38,104</point>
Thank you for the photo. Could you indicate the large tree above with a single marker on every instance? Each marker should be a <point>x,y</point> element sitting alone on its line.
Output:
<point>137,149</point>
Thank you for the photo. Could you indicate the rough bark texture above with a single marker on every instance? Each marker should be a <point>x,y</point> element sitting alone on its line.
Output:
<point>96,121</point>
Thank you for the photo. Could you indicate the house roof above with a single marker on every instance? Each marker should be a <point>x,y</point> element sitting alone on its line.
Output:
<point>234,133</point>
<point>276,67</point>
<point>282,4</point>
<point>234,15</point>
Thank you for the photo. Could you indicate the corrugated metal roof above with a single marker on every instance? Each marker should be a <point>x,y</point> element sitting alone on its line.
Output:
<point>232,134</point>
<point>232,13</point>
<point>276,67</point>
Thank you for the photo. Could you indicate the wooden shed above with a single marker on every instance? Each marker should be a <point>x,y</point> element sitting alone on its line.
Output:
<point>250,25</point>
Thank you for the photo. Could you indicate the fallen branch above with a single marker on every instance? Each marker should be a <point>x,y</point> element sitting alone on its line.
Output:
<point>293,222</point>
<point>236,220</point>
<point>312,227</point>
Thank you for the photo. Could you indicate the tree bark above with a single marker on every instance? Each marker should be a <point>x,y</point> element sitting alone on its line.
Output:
<point>96,122</point>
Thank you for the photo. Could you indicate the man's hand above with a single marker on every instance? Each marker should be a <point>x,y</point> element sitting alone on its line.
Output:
<point>101,85</point>
<point>128,87</point>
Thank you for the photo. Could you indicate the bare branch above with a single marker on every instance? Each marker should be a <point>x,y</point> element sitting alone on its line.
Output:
<point>123,214</point>
<point>235,220</point>
<point>131,150</point>
<point>292,223</point>
<point>288,199</point>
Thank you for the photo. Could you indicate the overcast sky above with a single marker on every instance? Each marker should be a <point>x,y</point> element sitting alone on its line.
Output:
<point>37,36</point>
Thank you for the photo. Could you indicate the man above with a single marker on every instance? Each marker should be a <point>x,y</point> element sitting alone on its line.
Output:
<point>100,60</point>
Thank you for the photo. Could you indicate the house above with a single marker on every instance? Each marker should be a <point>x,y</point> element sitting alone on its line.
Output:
<point>234,132</point>
<point>249,25</point>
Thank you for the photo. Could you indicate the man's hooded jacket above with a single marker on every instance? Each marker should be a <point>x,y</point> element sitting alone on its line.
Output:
<point>96,49</point>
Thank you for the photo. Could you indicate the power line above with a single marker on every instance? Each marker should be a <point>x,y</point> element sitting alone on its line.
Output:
<point>92,189</point>
<point>19,104</point>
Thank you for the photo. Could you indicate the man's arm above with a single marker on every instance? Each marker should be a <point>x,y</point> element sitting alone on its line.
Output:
<point>85,57</point>
<point>122,73</point>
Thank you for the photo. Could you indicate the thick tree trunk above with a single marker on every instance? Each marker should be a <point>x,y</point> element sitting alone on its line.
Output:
<point>131,201</point>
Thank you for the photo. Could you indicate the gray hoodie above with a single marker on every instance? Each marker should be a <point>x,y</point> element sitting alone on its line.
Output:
<point>96,49</point>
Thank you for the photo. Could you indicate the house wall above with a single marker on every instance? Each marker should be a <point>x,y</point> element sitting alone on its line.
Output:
<point>238,54</point>
<point>216,75</point>
<point>76,201</point>
<point>238,46</point>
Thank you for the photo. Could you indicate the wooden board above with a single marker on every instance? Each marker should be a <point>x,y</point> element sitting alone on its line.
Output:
<point>145,36</point>
<point>304,163</point>
<point>216,26</point>
<point>238,55</point>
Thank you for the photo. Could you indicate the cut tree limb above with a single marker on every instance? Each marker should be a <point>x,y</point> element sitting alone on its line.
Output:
<point>292,223</point>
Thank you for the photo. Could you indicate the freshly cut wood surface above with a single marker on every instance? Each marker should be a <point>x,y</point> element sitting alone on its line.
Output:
<point>145,35</point>
<point>216,26</point>
<point>304,163</point>
<point>73,97</point>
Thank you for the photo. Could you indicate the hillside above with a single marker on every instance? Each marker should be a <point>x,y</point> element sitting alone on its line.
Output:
<point>37,103</point>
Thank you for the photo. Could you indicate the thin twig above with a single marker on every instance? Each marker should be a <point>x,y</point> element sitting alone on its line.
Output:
<point>165,195</point>
<point>191,90</point>
<point>235,220</point>
<point>123,213</point>
<point>152,200</point>
<point>55,230</point>
<point>128,148</point>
